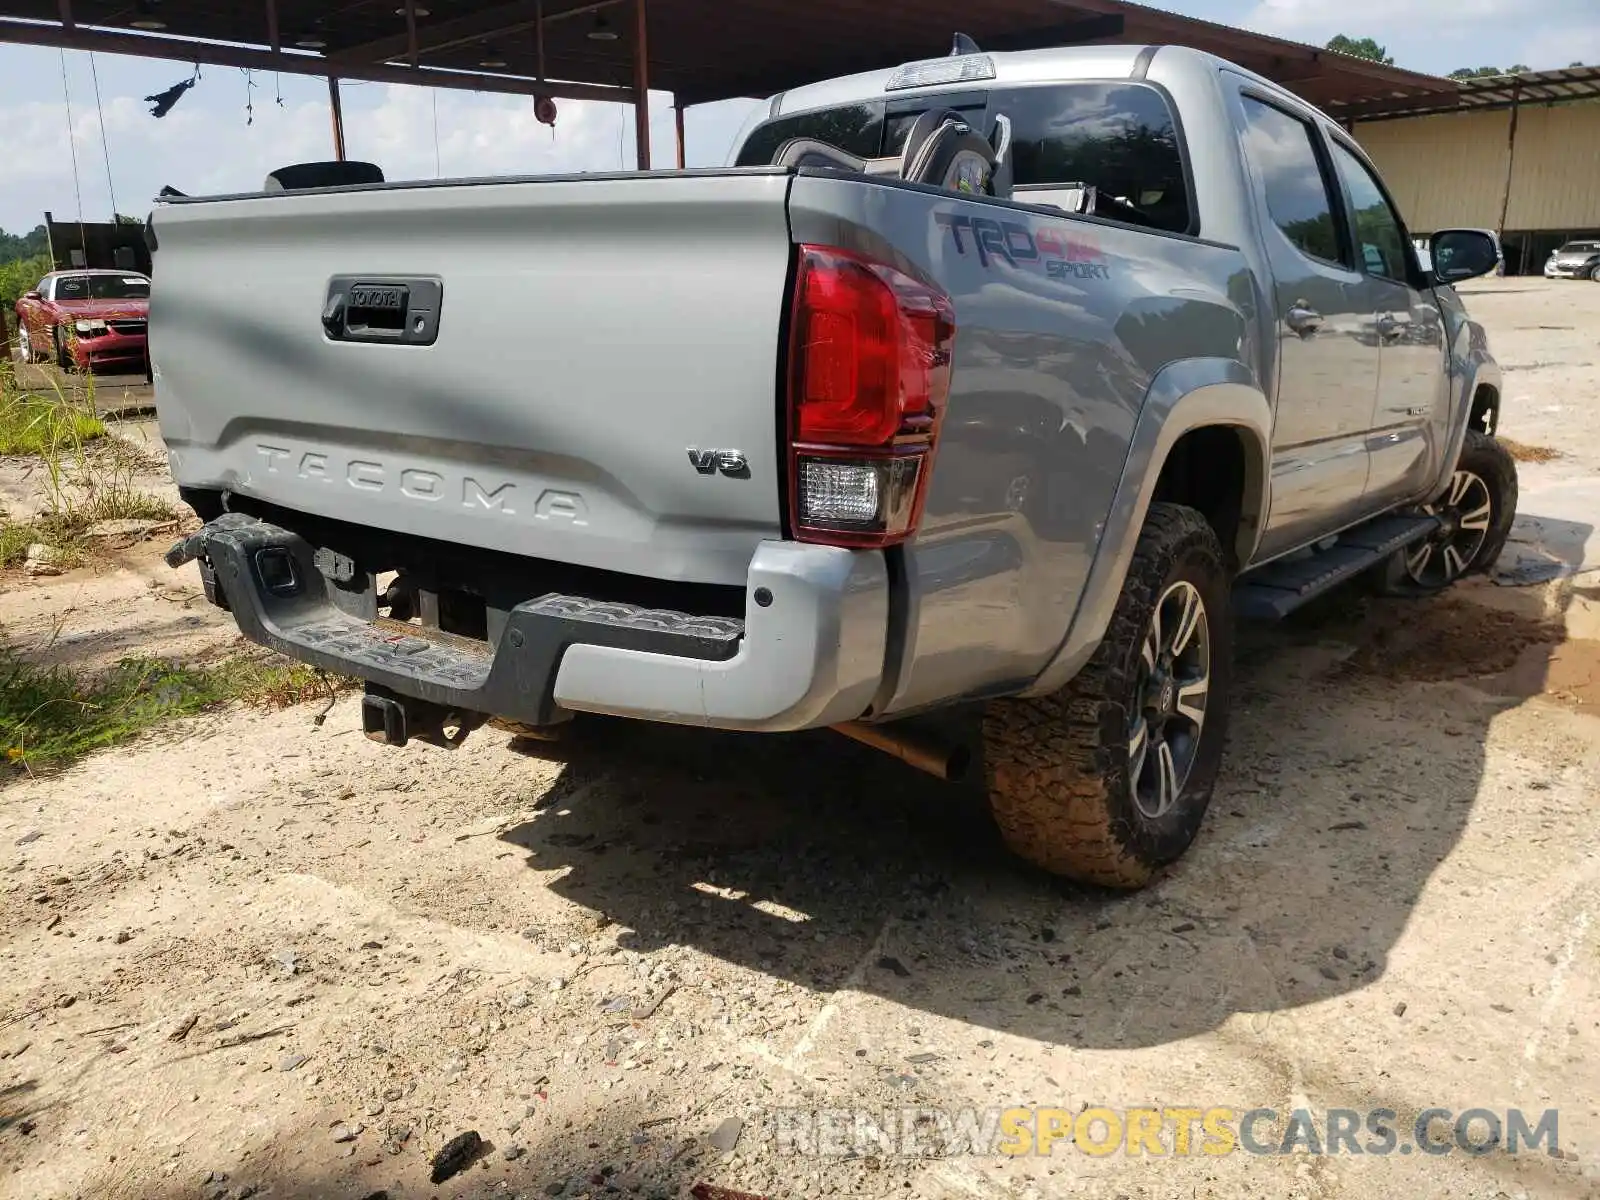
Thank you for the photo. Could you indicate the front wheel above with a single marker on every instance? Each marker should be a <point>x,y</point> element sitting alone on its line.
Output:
<point>1594,272</point>
<point>24,343</point>
<point>1475,515</point>
<point>1108,780</point>
<point>64,358</point>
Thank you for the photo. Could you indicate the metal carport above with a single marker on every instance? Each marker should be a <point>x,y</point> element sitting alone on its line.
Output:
<point>618,50</point>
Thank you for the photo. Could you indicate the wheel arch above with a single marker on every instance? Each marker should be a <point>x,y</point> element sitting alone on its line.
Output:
<point>1476,406</point>
<point>1485,413</point>
<point>1191,405</point>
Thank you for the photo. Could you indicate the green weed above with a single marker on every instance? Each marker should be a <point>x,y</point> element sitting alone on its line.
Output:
<point>51,716</point>
<point>44,425</point>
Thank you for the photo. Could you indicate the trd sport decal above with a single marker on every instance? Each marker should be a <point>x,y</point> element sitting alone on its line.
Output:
<point>1063,256</point>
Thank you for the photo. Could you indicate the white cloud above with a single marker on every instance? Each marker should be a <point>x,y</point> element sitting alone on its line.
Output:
<point>203,145</point>
<point>1375,18</point>
<point>1473,32</point>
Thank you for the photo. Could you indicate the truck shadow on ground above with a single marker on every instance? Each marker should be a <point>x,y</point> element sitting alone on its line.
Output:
<point>1356,753</point>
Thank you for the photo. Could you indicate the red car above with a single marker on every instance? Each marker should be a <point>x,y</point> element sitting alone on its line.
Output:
<point>87,320</point>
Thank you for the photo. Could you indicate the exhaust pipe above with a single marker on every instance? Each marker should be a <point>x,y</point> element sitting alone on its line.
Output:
<point>924,751</point>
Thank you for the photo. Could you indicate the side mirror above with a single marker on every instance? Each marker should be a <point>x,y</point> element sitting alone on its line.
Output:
<point>1460,254</point>
<point>30,295</point>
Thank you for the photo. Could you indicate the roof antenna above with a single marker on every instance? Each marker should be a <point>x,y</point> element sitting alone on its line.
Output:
<point>962,44</point>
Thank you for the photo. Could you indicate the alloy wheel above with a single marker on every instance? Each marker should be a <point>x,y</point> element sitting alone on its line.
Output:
<point>1169,700</point>
<point>1464,515</point>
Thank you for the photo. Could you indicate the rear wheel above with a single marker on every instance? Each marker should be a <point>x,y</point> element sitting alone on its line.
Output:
<point>1475,515</point>
<point>1108,780</point>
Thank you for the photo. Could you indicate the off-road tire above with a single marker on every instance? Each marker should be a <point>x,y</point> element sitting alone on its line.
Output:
<point>1057,766</point>
<point>1487,458</point>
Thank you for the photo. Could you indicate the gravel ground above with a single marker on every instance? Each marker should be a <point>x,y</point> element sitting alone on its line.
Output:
<point>251,954</point>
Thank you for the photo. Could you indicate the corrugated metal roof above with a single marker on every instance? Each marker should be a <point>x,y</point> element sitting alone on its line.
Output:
<point>1491,92</point>
<point>700,49</point>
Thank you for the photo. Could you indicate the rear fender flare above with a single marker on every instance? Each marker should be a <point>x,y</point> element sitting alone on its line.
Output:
<point>1184,396</point>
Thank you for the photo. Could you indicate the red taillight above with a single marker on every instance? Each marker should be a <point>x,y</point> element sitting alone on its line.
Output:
<point>870,364</point>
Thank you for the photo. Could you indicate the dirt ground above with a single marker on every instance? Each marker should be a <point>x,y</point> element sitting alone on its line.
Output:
<point>253,955</point>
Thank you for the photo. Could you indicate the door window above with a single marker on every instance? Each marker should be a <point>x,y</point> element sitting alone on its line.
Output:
<point>1281,150</point>
<point>1379,234</point>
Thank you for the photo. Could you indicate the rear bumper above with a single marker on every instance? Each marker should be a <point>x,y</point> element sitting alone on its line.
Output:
<point>810,650</point>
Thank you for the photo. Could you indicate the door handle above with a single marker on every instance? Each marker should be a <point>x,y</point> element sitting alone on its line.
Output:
<point>1388,327</point>
<point>1303,319</point>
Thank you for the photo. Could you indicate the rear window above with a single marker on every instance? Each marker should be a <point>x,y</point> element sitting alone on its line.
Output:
<point>1118,137</point>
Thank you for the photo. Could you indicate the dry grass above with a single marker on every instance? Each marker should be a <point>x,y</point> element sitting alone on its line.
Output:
<point>1523,452</point>
<point>88,476</point>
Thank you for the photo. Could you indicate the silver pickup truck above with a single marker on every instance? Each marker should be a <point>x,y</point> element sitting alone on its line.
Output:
<point>996,378</point>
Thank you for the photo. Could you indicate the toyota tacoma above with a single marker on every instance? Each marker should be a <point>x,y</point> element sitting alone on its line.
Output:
<point>1001,379</point>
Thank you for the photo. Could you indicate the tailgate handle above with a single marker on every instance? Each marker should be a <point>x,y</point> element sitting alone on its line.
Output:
<point>393,309</point>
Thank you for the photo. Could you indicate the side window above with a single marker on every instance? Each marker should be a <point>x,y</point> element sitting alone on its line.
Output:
<point>1378,233</point>
<point>1119,137</point>
<point>1285,160</point>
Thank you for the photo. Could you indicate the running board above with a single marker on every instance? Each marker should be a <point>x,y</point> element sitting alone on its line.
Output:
<point>1279,588</point>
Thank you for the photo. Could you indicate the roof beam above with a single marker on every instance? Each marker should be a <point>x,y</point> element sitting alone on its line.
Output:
<point>1401,106</point>
<point>221,55</point>
<point>1292,71</point>
<point>500,21</point>
<point>1108,25</point>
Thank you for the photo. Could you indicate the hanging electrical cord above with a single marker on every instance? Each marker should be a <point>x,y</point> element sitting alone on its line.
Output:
<point>249,96</point>
<point>72,146</point>
<point>105,146</point>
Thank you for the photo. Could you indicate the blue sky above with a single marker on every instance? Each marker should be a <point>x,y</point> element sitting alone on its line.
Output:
<point>205,145</point>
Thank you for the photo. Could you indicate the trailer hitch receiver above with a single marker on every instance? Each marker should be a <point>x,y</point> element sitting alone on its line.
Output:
<point>394,720</point>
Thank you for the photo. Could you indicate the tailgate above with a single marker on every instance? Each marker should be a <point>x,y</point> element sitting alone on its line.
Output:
<point>522,366</point>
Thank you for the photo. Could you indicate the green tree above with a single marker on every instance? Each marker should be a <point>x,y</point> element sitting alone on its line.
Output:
<point>1360,48</point>
<point>25,245</point>
<point>1488,72</point>
<point>19,276</point>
